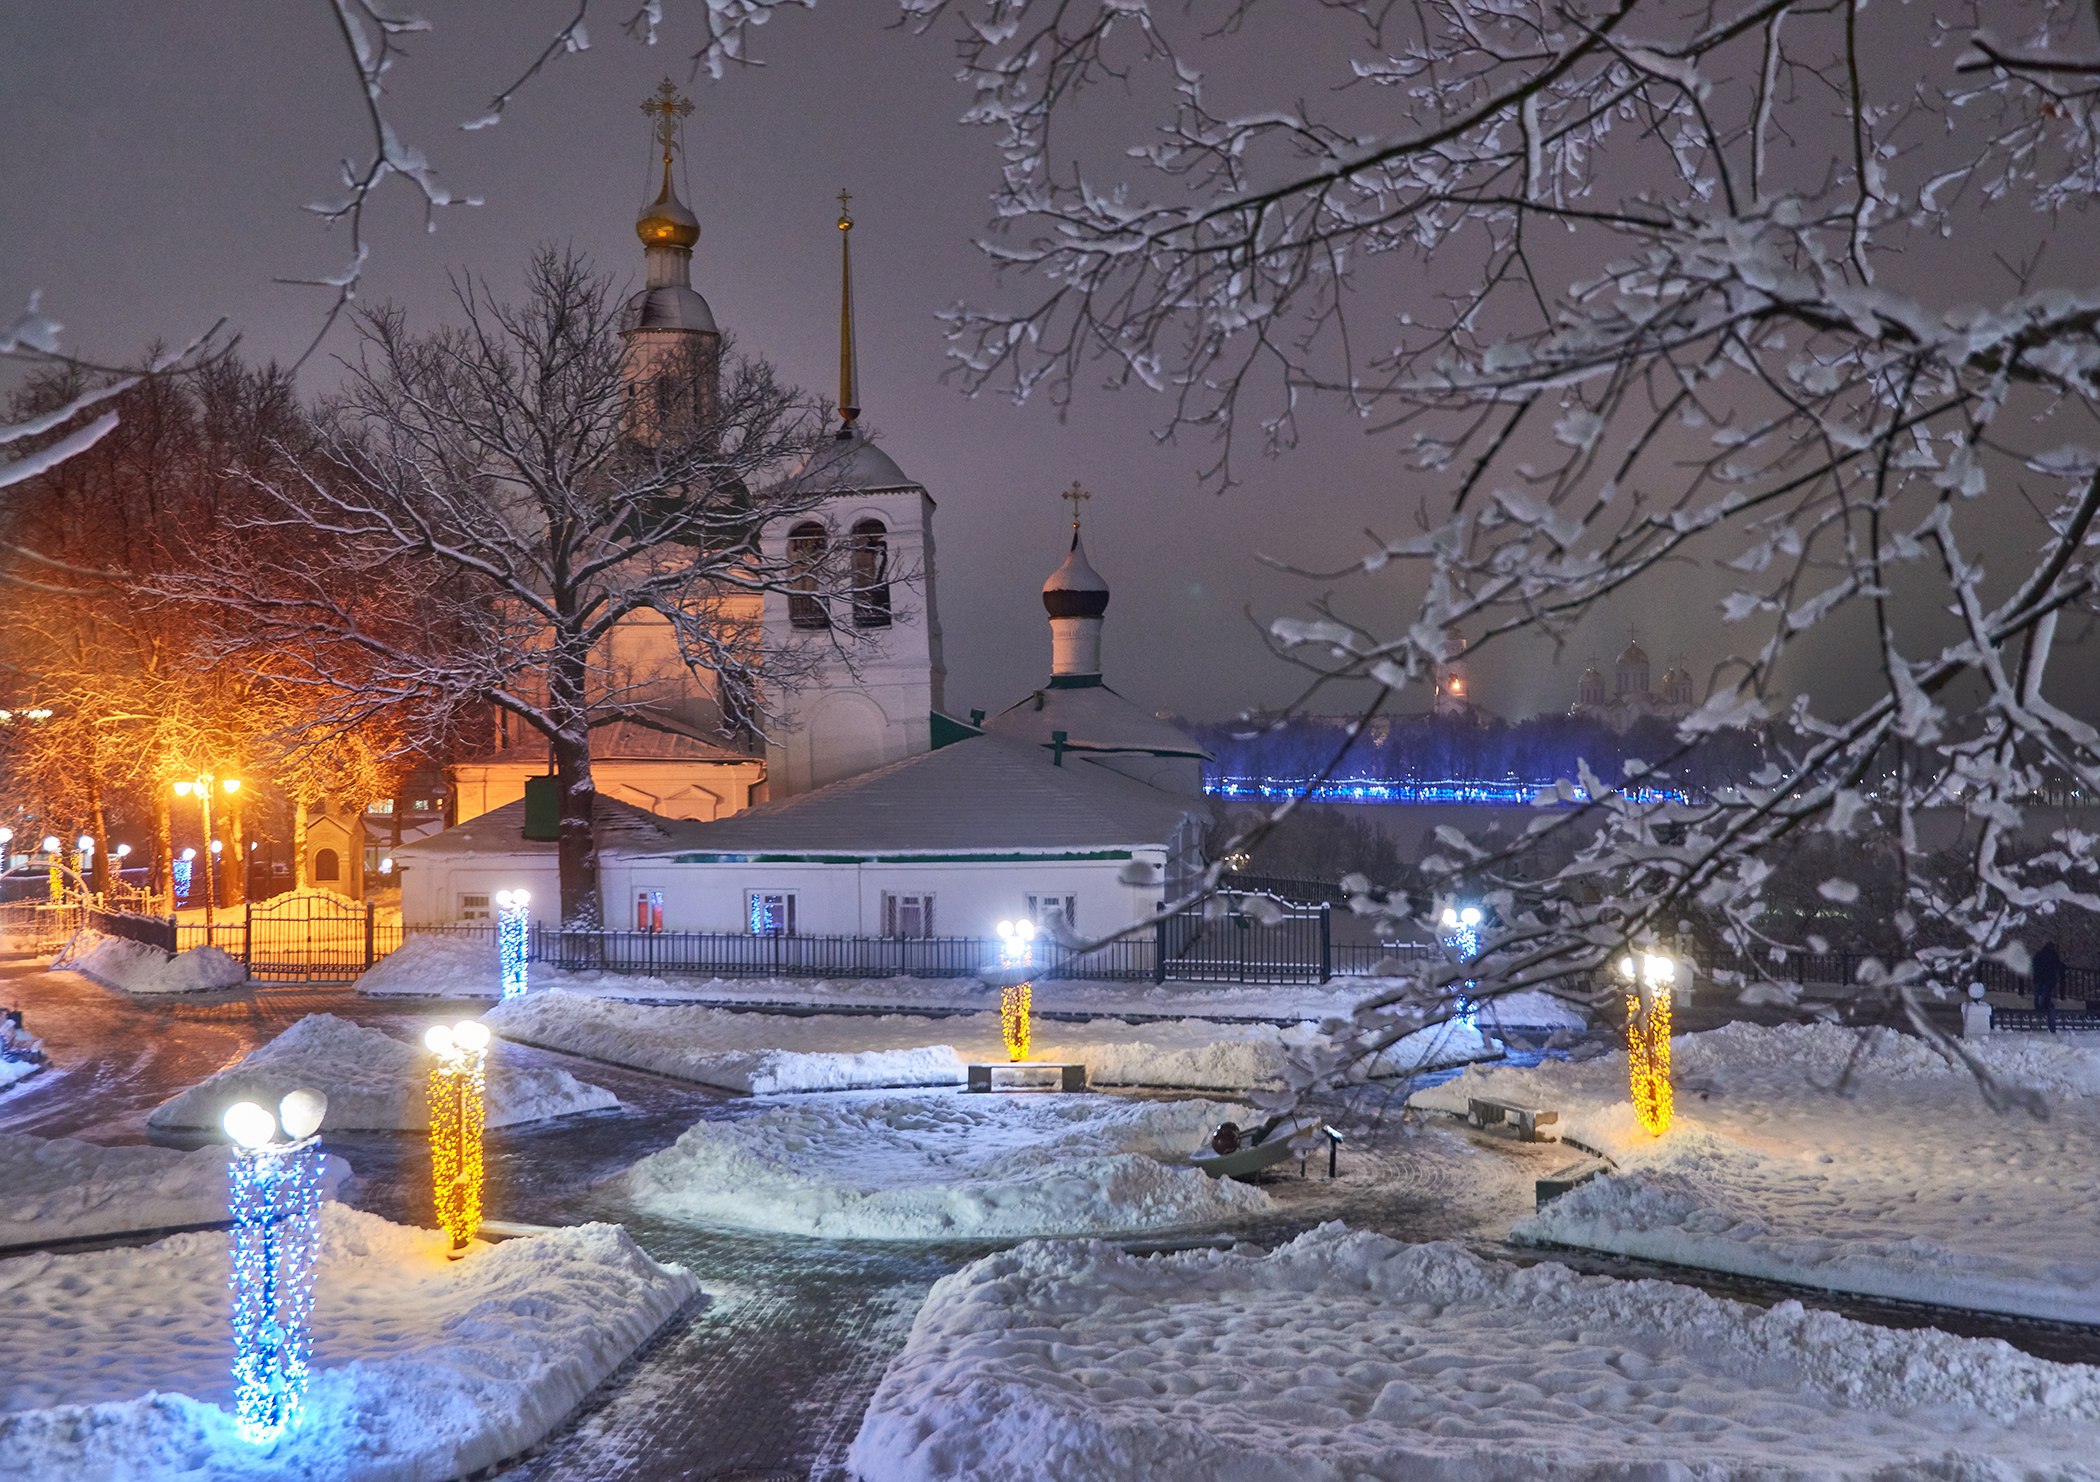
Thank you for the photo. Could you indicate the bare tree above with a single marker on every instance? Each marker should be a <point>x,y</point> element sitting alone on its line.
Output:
<point>517,495</point>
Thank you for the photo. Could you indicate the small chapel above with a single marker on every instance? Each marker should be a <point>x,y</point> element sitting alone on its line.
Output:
<point>868,809</point>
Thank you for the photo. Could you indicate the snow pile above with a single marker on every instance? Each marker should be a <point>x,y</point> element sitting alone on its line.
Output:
<point>947,1168</point>
<point>762,1053</point>
<point>58,1188</point>
<point>436,966</point>
<point>16,1070</point>
<point>1908,1186</point>
<point>1346,1354</point>
<point>117,1364</point>
<point>135,967</point>
<point>372,1081</point>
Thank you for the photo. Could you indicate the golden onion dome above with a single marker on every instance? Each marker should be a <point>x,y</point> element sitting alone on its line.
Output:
<point>667,223</point>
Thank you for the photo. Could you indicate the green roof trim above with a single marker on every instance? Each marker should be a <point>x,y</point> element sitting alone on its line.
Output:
<point>947,730</point>
<point>1016,857</point>
<point>1075,682</point>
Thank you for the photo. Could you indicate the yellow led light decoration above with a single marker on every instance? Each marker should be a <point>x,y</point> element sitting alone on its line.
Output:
<point>1649,981</point>
<point>457,1086</point>
<point>1013,1019</point>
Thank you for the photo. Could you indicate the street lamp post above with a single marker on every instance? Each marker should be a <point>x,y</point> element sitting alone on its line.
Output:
<point>201,787</point>
<point>1016,954</point>
<point>58,877</point>
<point>1648,978</point>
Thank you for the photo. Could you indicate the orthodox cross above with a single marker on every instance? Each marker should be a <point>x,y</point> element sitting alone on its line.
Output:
<point>845,212</point>
<point>667,108</point>
<point>1075,494</point>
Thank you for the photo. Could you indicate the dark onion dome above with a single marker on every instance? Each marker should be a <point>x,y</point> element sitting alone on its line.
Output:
<point>1075,589</point>
<point>1633,653</point>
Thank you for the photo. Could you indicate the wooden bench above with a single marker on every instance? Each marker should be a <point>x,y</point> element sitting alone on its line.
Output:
<point>1489,1111</point>
<point>1029,1074</point>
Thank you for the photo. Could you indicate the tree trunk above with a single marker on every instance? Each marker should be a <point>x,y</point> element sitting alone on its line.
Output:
<point>576,852</point>
<point>163,879</point>
<point>233,871</point>
<point>98,829</point>
<point>299,842</point>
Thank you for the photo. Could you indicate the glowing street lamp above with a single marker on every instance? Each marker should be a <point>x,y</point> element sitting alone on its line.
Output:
<point>274,1195</point>
<point>1016,954</point>
<point>1462,937</point>
<point>457,1115</point>
<point>58,881</point>
<point>511,939</point>
<point>201,788</point>
<point>1648,978</point>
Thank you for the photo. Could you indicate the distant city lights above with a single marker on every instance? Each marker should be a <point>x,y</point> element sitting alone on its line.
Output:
<point>1506,794</point>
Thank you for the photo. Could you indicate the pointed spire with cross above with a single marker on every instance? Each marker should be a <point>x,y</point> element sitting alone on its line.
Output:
<point>849,359</point>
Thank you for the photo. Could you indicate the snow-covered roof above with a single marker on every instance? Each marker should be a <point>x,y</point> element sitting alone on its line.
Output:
<point>617,825</point>
<point>1093,718</point>
<point>979,797</point>
<point>627,741</point>
<point>849,464</point>
<point>668,306</point>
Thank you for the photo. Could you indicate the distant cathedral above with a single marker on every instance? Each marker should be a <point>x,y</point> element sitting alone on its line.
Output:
<point>1628,697</point>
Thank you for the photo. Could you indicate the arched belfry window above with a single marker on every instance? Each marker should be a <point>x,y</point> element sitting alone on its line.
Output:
<point>806,543</point>
<point>871,574</point>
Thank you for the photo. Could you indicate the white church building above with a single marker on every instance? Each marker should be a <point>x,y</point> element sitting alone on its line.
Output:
<point>871,811</point>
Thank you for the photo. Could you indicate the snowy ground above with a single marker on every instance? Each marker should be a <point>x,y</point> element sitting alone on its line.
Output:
<point>465,967</point>
<point>58,1188</point>
<point>1908,1186</point>
<point>116,1364</point>
<point>372,1081</point>
<point>745,1051</point>
<point>1349,1355</point>
<point>12,1071</point>
<point>134,967</point>
<point>947,1167</point>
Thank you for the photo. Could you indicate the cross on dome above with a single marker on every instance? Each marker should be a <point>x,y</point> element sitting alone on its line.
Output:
<point>1075,494</point>
<point>669,108</point>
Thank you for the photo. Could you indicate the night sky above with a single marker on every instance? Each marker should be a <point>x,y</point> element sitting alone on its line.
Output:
<point>158,158</point>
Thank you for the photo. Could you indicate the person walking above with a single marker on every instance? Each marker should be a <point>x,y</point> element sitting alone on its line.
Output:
<point>2047,971</point>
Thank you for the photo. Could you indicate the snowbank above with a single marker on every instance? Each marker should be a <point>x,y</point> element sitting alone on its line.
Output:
<point>12,1071</point>
<point>1346,1354</point>
<point>444,966</point>
<point>58,1188</point>
<point>946,1168</point>
<point>747,1051</point>
<point>372,1080</point>
<point>116,1364</point>
<point>135,967</point>
<point>1907,1187</point>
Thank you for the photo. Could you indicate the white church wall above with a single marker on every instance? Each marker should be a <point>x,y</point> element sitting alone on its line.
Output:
<point>438,892</point>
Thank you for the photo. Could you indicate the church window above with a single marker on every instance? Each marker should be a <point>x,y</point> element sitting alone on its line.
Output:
<point>474,906</point>
<point>871,575</point>
<point>328,865</point>
<point>907,915</point>
<point>806,543</point>
<point>772,913</point>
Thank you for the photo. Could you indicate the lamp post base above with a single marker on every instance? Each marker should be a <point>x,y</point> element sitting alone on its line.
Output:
<point>1029,1075</point>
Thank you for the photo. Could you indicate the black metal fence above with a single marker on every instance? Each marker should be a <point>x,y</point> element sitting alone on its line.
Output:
<point>154,931</point>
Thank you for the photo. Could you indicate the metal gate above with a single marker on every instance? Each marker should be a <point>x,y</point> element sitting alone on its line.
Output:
<point>1279,943</point>
<point>308,937</point>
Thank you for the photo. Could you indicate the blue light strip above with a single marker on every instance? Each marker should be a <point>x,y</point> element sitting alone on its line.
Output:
<point>1382,790</point>
<point>274,1196</point>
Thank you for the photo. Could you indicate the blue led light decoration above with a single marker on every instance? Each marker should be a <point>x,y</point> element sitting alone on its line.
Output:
<point>510,939</point>
<point>1462,938</point>
<point>274,1196</point>
<point>183,868</point>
